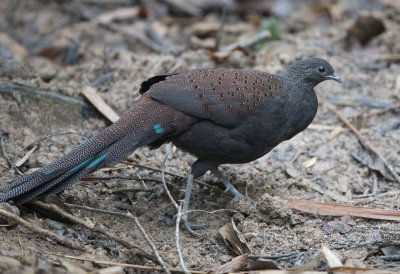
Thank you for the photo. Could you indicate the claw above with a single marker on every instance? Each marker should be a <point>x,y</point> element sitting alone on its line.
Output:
<point>245,198</point>
<point>185,208</point>
<point>235,192</point>
<point>189,226</point>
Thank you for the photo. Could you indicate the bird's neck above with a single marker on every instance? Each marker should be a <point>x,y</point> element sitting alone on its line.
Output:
<point>303,102</point>
<point>298,79</point>
<point>295,86</point>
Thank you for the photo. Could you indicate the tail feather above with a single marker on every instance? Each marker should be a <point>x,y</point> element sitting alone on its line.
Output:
<point>54,169</point>
<point>136,128</point>
<point>44,182</point>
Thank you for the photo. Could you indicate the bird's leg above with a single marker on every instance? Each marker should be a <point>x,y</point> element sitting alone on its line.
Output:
<point>185,207</point>
<point>228,184</point>
<point>237,195</point>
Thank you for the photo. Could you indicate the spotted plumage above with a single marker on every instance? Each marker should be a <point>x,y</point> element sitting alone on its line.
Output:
<point>218,115</point>
<point>225,96</point>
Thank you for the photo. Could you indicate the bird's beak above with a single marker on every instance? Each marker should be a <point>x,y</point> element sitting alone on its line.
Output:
<point>334,76</point>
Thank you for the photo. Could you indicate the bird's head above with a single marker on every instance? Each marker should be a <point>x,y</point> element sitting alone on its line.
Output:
<point>312,71</point>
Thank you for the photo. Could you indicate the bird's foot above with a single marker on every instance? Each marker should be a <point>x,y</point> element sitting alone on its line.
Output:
<point>232,189</point>
<point>185,208</point>
<point>190,226</point>
<point>245,198</point>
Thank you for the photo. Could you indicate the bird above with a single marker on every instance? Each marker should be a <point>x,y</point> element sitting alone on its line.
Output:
<point>221,116</point>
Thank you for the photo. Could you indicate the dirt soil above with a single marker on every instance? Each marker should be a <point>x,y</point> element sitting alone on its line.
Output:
<point>61,46</point>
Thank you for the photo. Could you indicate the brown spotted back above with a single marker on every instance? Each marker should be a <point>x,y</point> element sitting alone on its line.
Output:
<point>225,96</point>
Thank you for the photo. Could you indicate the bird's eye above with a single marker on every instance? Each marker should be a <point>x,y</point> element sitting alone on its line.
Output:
<point>321,69</point>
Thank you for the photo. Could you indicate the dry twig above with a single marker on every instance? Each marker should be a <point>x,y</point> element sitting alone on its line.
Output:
<point>135,219</point>
<point>127,189</point>
<point>149,242</point>
<point>91,178</point>
<point>38,230</point>
<point>5,155</point>
<point>36,143</point>
<point>178,219</point>
<point>364,143</point>
<point>26,157</point>
<point>326,209</point>
<point>133,266</point>
<point>98,102</point>
<point>72,218</point>
<point>378,112</point>
<point>180,176</point>
<point>4,151</point>
<point>248,42</point>
<point>129,35</point>
<point>177,242</point>
<point>185,6</point>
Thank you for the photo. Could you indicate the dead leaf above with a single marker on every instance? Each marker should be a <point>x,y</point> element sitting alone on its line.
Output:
<point>218,55</point>
<point>391,250</point>
<point>333,261</point>
<point>377,235</point>
<point>261,264</point>
<point>337,226</point>
<point>234,239</point>
<point>26,157</point>
<point>210,29</point>
<point>255,6</point>
<point>367,146</point>
<point>19,52</point>
<point>335,132</point>
<point>236,264</point>
<point>393,4</point>
<point>364,29</point>
<point>207,43</point>
<point>372,161</point>
<point>291,170</point>
<point>244,263</point>
<point>341,210</point>
<point>357,270</point>
<point>111,270</point>
<point>309,163</point>
<point>72,267</point>
<point>118,14</point>
<point>247,42</point>
<point>63,51</point>
<point>153,9</point>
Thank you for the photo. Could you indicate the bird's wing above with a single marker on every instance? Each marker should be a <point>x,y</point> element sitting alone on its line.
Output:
<point>225,96</point>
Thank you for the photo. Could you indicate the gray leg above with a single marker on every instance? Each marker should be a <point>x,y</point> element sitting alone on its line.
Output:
<point>227,184</point>
<point>230,187</point>
<point>185,207</point>
<point>188,192</point>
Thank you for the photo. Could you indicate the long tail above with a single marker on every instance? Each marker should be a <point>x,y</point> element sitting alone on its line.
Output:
<point>145,122</point>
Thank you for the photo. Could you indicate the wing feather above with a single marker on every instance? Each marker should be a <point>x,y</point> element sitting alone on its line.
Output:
<point>225,96</point>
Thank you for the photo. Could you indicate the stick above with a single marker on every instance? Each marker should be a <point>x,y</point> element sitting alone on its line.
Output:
<point>185,6</point>
<point>134,266</point>
<point>5,155</point>
<point>26,157</point>
<point>364,142</point>
<point>174,203</point>
<point>378,112</point>
<point>180,176</point>
<point>248,42</point>
<point>91,94</point>
<point>4,151</point>
<point>178,247</point>
<point>72,218</point>
<point>38,230</point>
<point>146,237</point>
<point>129,35</point>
